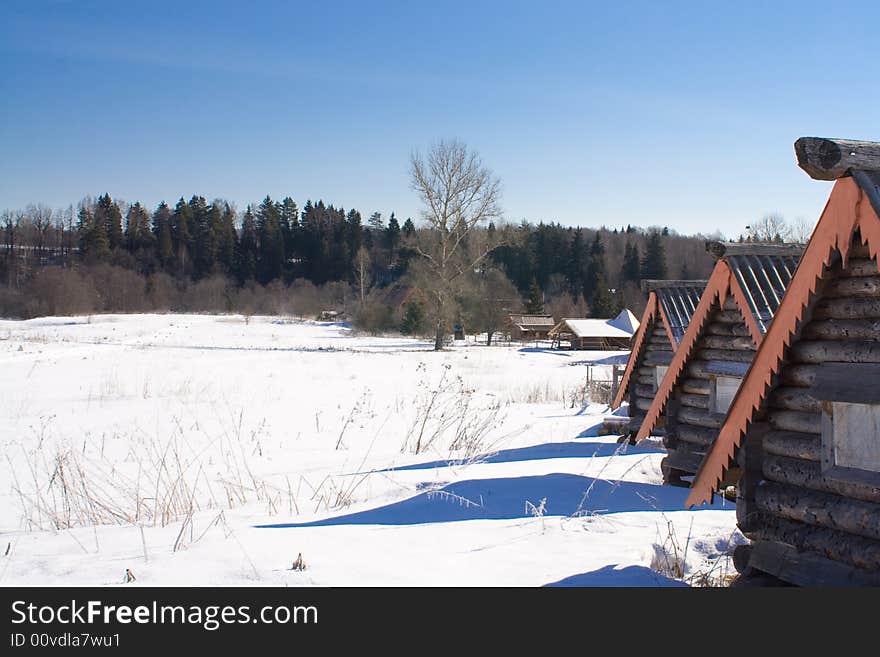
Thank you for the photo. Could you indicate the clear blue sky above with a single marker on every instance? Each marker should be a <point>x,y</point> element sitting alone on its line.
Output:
<point>650,113</point>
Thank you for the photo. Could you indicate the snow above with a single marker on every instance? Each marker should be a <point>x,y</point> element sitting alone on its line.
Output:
<point>212,450</point>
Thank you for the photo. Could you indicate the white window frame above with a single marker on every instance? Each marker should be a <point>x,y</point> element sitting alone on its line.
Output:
<point>659,372</point>
<point>734,382</point>
<point>856,459</point>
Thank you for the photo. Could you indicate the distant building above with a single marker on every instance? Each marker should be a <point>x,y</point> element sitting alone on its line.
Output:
<point>530,327</point>
<point>613,333</point>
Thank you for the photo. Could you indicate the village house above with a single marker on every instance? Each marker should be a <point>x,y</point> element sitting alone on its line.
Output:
<point>529,327</point>
<point>664,321</point>
<point>734,312</point>
<point>804,429</point>
<point>616,333</point>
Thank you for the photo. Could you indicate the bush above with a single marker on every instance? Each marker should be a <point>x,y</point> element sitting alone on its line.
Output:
<point>413,322</point>
<point>60,291</point>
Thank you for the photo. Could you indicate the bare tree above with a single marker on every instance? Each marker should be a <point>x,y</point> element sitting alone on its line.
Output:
<point>362,263</point>
<point>458,194</point>
<point>769,228</point>
<point>800,230</point>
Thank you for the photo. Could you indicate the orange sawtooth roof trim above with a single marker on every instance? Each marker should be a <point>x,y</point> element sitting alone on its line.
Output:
<point>718,287</point>
<point>638,343</point>
<point>848,208</point>
<point>666,325</point>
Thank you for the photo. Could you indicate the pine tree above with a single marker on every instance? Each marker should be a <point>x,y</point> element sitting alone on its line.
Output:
<point>203,248</point>
<point>603,303</point>
<point>108,214</point>
<point>270,241</point>
<point>392,235</point>
<point>162,235</point>
<point>632,266</point>
<point>535,302</point>
<point>137,229</point>
<point>413,321</point>
<point>576,265</point>
<point>654,262</point>
<point>181,236</point>
<point>227,239</point>
<point>409,227</point>
<point>289,216</point>
<point>93,242</point>
<point>595,267</point>
<point>376,222</point>
<point>247,248</point>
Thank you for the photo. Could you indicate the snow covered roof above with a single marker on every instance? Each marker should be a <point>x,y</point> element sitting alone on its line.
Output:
<point>594,328</point>
<point>625,321</point>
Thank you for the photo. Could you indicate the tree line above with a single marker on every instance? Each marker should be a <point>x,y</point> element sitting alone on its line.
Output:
<point>107,256</point>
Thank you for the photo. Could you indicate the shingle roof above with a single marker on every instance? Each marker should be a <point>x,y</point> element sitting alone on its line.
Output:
<point>752,274</point>
<point>670,302</point>
<point>844,213</point>
<point>679,300</point>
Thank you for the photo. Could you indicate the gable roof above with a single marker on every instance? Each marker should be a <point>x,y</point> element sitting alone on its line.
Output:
<point>854,203</point>
<point>673,303</point>
<point>625,321</point>
<point>755,276</point>
<point>596,328</point>
<point>531,322</point>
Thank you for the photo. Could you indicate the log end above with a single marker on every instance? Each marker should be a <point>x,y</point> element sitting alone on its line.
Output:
<point>819,157</point>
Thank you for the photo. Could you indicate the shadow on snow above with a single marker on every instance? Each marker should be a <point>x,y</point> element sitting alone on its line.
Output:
<point>566,450</point>
<point>611,575</point>
<point>505,499</point>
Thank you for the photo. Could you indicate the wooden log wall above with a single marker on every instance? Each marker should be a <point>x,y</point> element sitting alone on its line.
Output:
<point>692,426</point>
<point>795,502</point>
<point>656,350</point>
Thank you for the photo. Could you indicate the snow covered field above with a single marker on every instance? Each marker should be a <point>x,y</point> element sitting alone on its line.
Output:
<point>207,450</point>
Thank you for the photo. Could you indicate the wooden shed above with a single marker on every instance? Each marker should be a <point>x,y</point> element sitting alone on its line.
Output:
<point>804,429</point>
<point>664,321</point>
<point>735,309</point>
<point>590,333</point>
<point>530,327</point>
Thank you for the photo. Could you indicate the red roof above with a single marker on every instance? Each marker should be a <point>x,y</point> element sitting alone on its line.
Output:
<point>848,208</point>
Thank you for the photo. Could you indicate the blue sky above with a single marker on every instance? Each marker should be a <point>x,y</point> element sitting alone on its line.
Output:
<point>677,114</point>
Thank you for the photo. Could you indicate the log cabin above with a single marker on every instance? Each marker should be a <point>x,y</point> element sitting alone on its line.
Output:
<point>661,328</point>
<point>804,427</point>
<point>596,334</point>
<point>529,327</point>
<point>734,312</point>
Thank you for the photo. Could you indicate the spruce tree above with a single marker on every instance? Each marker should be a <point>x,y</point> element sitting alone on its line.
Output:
<point>138,236</point>
<point>576,265</point>
<point>289,216</point>
<point>227,239</point>
<point>270,241</point>
<point>108,214</point>
<point>392,235</point>
<point>181,236</point>
<point>632,266</point>
<point>162,236</point>
<point>603,303</point>
<point>535,302</point>
<point>413,321</point>
<point>654,262</point>
<point>203,247</point>
<point>247,248</point>
<point>409,227</point>
<point>93,242</point>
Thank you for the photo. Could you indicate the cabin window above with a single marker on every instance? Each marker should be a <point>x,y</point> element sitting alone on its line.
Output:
<point>659,373</point>
<point>723,391</point>
<point>851,437</point>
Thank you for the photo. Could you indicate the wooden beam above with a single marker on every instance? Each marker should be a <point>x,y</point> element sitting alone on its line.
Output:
<point>830,159</point>
<point>805,568</point>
